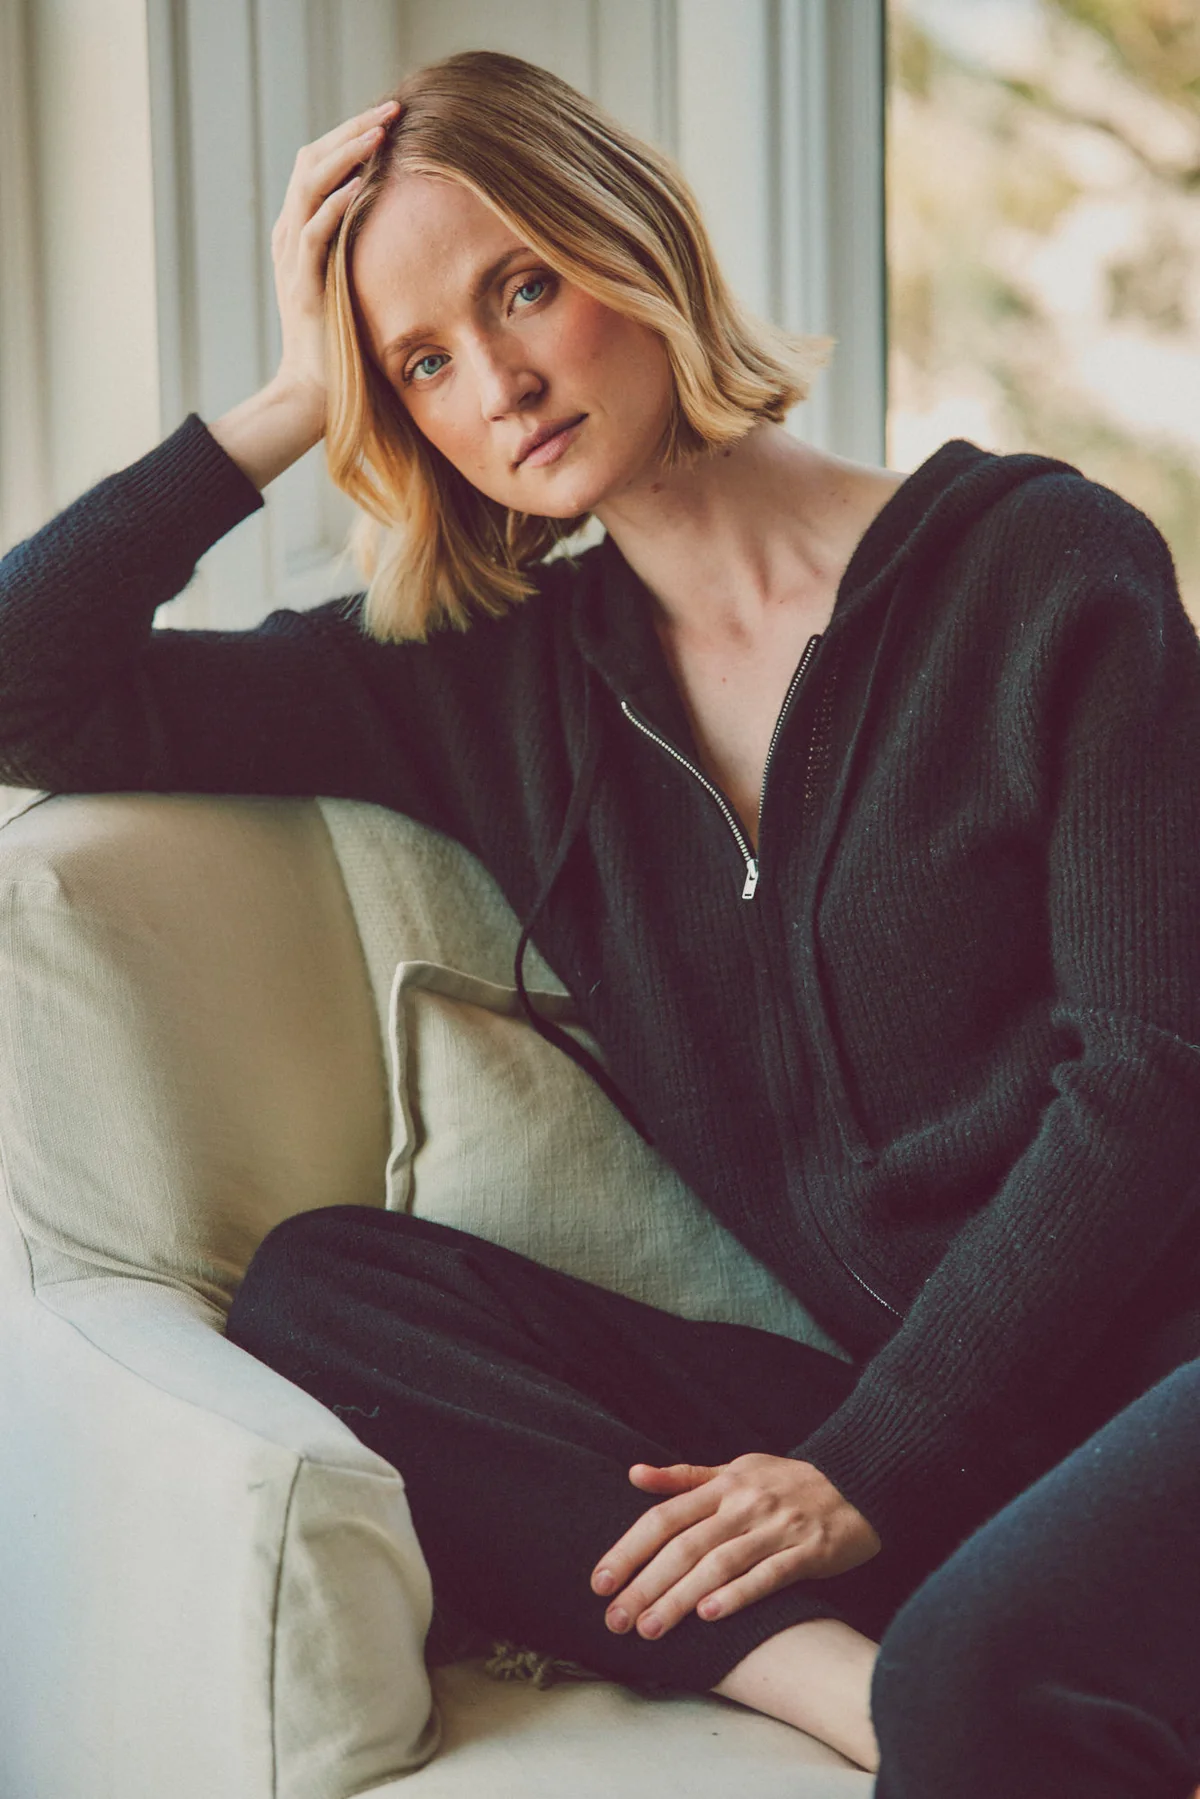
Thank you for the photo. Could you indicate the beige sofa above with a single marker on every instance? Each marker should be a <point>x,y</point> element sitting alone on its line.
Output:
<point>215,1013</point>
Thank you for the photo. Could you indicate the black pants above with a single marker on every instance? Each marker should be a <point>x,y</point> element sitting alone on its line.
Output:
<point>1056,1655</point>
<point>514,1399</point>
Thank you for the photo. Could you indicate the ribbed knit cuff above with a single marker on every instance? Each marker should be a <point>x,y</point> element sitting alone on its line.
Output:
<point>903,1463</point>
<point>186,491</point>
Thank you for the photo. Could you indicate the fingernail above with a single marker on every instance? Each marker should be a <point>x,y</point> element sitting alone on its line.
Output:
<point>603,1582</point>
<point>708,1608</point>
<point>386,105</point>
<point>617,1619</point>
<point>651,1627</point>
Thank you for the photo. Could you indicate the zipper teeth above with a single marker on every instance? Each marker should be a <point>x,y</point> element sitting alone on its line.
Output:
<point>867,1288</point>
<point>718,796</point>
<point>810,650</point>
<point>842,1263</point>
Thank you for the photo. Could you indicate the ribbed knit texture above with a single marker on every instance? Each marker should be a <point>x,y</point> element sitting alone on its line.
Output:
<point>941,1073</point>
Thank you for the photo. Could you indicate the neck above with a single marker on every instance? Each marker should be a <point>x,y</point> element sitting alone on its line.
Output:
<point>736,534</point>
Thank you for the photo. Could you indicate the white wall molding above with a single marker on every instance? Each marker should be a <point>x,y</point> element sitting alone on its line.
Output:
<point>24,465</point>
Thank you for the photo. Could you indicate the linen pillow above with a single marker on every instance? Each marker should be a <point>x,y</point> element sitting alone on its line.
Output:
<point>497,1132</point>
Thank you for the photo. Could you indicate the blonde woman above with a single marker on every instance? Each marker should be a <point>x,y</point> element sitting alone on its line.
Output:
<point>856,810</point>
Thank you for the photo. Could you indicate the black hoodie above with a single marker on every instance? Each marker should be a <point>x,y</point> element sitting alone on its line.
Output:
<point>932,1054</point>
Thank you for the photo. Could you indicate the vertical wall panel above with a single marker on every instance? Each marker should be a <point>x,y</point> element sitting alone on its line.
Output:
<point>296,78</point>
<point>559,34</point>
<point>227,214</point>
<point>857,250</point>
<point>91,144</point>
<point>802,300</point>
<point>724,139</point>
<point>24,465</point>
<point>635,66</point>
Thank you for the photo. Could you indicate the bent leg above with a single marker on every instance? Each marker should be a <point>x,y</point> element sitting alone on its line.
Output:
<point>1056,1655</point>
<point>514,1400</point>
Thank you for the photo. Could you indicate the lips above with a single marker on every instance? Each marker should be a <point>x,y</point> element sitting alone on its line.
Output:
<point>546,433</point>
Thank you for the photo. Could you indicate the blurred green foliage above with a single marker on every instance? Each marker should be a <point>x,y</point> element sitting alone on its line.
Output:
<point>985,168</point>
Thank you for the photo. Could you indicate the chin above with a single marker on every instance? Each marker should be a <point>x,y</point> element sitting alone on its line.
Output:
<point>564,499</point>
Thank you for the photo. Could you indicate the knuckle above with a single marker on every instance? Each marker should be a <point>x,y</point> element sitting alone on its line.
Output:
<point>662,1529</point>
<point>726,1561</point>
<point>742,1510</point>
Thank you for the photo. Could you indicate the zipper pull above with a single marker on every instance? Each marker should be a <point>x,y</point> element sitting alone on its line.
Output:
<point>751,878</point>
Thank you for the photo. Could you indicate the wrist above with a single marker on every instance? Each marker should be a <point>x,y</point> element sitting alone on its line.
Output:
<point>300,400</point>
<point>272,429</point>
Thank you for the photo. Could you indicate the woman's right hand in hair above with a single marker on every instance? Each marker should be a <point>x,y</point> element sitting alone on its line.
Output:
<point>270,431</point>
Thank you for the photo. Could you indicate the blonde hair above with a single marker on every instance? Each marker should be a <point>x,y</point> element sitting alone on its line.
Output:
<point>603,210</point>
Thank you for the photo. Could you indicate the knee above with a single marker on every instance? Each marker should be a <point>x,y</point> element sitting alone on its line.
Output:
<point>281,1271</point>
<point>309,1263</point>
<point>956,1671</point>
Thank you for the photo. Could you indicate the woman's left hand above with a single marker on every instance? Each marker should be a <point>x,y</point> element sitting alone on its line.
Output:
<point>728,1536</point>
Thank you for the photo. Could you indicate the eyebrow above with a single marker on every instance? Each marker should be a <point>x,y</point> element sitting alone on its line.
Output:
<point>480,286</point>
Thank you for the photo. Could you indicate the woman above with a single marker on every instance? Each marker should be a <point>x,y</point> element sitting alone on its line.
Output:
<point>857,812</point>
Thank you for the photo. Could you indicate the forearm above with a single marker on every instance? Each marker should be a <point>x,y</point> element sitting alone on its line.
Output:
<point>1013,1332</point>
<point>78,599</point>
<point>272,429</point>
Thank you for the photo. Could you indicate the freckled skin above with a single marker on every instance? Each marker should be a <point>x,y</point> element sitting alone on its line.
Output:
<point>497,368</point>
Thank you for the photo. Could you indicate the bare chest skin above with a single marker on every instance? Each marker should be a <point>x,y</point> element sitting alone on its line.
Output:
<point>734,682</point>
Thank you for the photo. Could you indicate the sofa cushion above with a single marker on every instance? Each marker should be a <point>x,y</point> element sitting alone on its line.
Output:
<point>189,1052</point>
<point>498,1132</point>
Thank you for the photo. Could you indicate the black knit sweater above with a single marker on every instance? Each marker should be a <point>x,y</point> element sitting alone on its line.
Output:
<point>932,1055</point>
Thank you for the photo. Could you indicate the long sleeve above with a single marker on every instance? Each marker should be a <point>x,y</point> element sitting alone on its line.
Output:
<point>77,605</point>
<point>94,698</point>
<point>1103,1205</point>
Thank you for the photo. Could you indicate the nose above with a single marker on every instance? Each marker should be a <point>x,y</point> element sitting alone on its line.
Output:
<point>505,380</point>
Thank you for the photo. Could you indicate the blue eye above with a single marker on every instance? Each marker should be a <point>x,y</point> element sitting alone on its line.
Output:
<point>422,371</point>
<point>535,281</point>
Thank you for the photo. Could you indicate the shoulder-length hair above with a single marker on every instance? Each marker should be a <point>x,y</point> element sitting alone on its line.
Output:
<point>603,210</point>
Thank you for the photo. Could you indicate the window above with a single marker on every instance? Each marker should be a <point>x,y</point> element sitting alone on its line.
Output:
<point>1044,241</point>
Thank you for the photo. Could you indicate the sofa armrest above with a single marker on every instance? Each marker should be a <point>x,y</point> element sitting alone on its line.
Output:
<point>209,1585</point>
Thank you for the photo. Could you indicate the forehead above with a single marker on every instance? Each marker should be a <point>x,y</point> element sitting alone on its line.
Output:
<point>420,252</point>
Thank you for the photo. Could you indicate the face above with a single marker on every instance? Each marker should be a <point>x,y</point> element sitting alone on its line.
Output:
<point>542,397</point>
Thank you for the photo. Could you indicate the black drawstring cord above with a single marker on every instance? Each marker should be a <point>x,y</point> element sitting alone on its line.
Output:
<point>581,794</point>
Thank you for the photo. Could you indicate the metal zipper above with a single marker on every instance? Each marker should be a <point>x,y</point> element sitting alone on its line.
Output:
<point>748,856</point>
<point>665,744</point>
<point>810,650</point>
<point>856,1276</point>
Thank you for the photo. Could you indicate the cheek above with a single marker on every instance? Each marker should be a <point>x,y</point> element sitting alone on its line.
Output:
<point>593,336</point>
<point>626,366</point>
<point>453,426</point>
